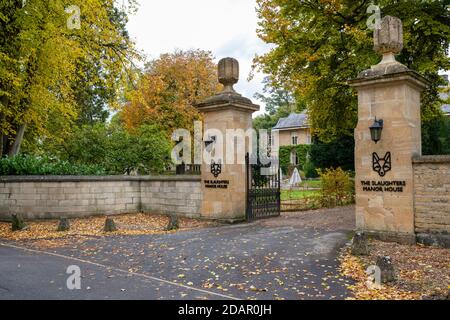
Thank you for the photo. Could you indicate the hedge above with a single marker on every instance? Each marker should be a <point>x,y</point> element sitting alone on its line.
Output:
<point>30,165</point>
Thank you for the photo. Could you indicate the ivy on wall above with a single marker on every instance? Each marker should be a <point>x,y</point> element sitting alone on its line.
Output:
<point>285,156</point>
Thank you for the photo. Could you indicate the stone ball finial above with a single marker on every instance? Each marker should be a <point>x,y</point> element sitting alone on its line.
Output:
<point>388,39</point>
<point>228,73</point>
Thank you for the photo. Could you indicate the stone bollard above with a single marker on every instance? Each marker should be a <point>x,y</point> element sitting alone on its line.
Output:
<point>360,245</point>
<point>18,223</point>
<point>64,225</point>
<point>110,226</point>
<point>387,269</point>
<point>173,223</point>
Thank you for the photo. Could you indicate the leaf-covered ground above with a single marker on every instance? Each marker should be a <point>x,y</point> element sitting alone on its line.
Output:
<point>127,224</point>
<point>422,272</point>
<point>294,256</point>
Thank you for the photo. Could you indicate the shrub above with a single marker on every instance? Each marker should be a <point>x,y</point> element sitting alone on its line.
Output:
<point>146,150</point>
<point>30,165</point>
<point>310,169</point>
<point>337,187</point>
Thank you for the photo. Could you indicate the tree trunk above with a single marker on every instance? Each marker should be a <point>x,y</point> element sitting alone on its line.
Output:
<point>4,140</point>
<point>15,148</point>
<point>6,143</point>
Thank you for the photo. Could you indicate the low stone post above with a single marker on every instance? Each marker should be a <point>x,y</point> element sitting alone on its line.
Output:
<point>110,225</point>
<point>64,224</point>
<point>360,244</point>
<point>387,269</point>
<point>17,223</point>
<point>173,223</point>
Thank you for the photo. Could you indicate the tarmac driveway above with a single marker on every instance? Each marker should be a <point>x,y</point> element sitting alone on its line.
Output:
<point>290,257</point>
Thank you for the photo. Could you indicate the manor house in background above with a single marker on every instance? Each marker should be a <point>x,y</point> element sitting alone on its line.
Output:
<point>294,130</point>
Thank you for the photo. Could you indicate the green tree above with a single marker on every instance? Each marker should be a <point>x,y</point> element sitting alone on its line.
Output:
<point>338,153</point>
<point>436,136</point>
<point>318,45</point>
<point>264,121</point>
<point>276,98</point>
<point>153,148</point>
<point>169,88</point>
<point>146,151</point>
<point>122,155</point>
<point>42,57</point>
<point>94,87</point>
<point>279,104</point>
<point>87,145</point>
<point>445,136</point>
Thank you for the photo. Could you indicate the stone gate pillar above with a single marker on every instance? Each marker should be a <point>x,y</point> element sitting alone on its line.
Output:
<point>390,92</point>
<point>223,180</point>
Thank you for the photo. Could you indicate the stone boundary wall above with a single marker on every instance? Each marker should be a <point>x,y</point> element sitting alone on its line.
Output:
<point>44,197</point>
<point>432,194</point>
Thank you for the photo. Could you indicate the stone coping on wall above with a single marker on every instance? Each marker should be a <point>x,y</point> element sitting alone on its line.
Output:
<point>97,178</point>
<point>432,159</point>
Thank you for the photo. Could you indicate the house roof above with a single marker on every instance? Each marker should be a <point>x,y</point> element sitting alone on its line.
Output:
<point>295,120</point>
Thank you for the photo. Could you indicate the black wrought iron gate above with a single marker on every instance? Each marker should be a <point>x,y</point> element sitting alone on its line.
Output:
<point>263,191</point>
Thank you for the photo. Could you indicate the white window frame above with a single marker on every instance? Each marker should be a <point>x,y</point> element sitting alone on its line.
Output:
<point>294,158</point>
<point>294,138</point>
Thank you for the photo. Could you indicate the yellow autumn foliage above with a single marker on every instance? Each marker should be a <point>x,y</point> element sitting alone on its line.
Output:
<point>169,88</point>
<point>40,55</point>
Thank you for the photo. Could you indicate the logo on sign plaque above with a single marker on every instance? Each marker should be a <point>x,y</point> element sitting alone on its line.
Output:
<point>216,169</point>
<point>382,165</point>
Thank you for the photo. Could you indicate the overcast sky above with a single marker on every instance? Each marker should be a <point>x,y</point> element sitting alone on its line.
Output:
<point>227,28</point>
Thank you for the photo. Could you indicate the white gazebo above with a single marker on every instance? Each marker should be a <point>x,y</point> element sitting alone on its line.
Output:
<point>295,180</point>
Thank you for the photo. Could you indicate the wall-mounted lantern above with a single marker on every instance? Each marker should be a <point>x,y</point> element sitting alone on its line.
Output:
<point>376,130</point>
